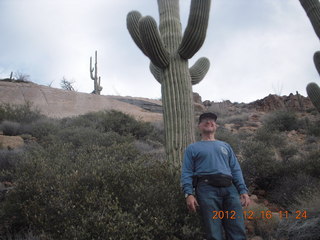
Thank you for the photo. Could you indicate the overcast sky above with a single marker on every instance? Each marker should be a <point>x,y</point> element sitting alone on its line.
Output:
<point>256,47</point>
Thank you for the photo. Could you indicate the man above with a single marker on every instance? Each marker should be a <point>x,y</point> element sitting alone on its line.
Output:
<point>211,167</point>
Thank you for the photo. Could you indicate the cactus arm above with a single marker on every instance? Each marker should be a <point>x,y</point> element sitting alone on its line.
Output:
<point>199,70</point>
<point>195,33</point>
<point>91,69</point>
<point>155,72</point>
<point>316,60</point>
<point>133,18</point>
<point>152,42</point>
<point>312,8</point>
<point>313,91</point>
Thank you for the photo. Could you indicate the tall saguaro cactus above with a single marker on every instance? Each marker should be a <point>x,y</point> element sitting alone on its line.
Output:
<point>94,75</point>
<point>169,52</point>
<point>312,9</point>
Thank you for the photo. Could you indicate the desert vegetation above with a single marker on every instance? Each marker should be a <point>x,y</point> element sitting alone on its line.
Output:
<point>104,175</point>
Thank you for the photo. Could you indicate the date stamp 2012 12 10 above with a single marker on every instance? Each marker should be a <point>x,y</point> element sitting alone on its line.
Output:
<point>251,215</point>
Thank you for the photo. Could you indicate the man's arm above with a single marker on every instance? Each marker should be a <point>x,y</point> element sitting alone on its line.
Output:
<point>187,172</point>
<point>186,180</point>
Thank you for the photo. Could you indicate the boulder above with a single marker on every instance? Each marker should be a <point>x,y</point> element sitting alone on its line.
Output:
<point>11,142</point>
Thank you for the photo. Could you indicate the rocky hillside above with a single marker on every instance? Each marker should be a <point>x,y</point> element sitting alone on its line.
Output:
<point>60,103</point>
<point>236,117</point>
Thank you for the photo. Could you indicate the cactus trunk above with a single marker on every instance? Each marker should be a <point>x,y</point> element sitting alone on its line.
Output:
<point>177,110</point>
<point>176,86</point>
<point>169,52</point>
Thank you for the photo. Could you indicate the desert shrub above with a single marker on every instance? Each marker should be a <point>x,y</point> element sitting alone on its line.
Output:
<point>288,151</point>
<point>310,204</point>
<point>10,128</point>
<point>78,193</point>
<point>41,128</point>
<point>19,113</point>
<point>270,138</point>
<point>81,136</point>
<point>224,134</point>
<point>303,229</point>
<point>314,129</point>
<point>308,228</point>
<point>115,121</point>
<point>311,163</point>
<point>281,121</point>
<point>238,119</point>
<point>293,188</point>
<point>86,181</point>
<point>259,164</point>
<point>10,158</point>
<point>24,235</point>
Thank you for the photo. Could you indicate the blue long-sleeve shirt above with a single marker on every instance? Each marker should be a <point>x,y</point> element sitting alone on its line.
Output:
<point>211,157</point>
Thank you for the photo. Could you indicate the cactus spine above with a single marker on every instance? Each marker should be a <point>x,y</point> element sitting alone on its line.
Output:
<point>312,8</point>
<point>169,52</point>
<point>94,75</point>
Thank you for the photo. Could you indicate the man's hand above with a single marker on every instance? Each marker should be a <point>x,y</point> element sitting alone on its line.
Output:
<point>245,199</point>
<point>192,203</point>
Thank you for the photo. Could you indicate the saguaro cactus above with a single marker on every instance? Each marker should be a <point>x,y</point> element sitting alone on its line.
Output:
<point>94,75</point>
<point>169,52</point>
<point>313,92</point>
<point>312,8</point>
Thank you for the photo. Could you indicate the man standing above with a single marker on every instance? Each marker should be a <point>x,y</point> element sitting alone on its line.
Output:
<point>211,167</point>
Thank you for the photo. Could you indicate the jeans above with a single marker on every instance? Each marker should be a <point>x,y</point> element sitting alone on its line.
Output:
<point>221,209</point>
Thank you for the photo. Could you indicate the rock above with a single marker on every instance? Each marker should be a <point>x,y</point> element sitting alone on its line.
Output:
<point>199,108</point>
<point>197,98</point>
<point>250,228</point>
<point>207,103</point>
<point>256,238</point>
<point>11,142</point>
<point>274,102</point>
<point>254,198</point>
<point>269,103</point>
<point>58,103</point>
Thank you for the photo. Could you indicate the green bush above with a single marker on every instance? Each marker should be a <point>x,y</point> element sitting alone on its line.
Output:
<point>269,138</point>
<point>41,128</point>
<point>224,134</point>
<point>115,121</point>
<point>77,193</point>
<point>19,113</point>
<point>85,180</point>
<point>311,163</point>
<point>292,189</point>
<point>281,121</point>
<point>314,129</point>
<point>81,136</point>
<point>259,164</point>
<point>304,229</point>
<point>10,128</point>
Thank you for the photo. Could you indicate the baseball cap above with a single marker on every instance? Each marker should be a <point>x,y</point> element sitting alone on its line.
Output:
<point>208,115</point>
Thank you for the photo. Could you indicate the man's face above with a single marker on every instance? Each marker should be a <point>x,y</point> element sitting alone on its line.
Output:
<point>207,125</point>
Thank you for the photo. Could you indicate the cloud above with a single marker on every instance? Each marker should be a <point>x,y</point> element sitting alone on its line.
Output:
<point>254,46</point>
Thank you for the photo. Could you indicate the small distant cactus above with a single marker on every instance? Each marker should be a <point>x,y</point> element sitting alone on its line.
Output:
<point>312,8</point>
<point>94,77</point>
<point>169,52</point>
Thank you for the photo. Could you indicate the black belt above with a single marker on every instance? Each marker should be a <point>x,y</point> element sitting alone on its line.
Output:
<point>216,180</point>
